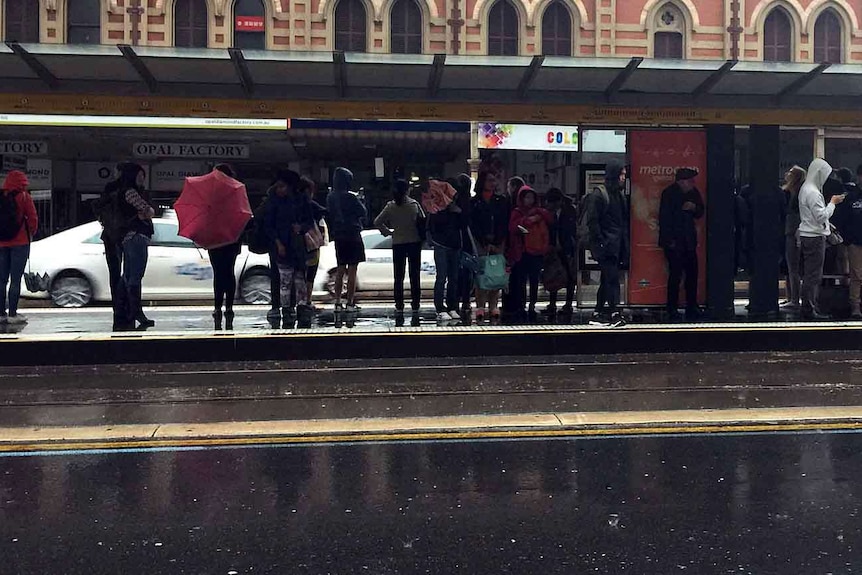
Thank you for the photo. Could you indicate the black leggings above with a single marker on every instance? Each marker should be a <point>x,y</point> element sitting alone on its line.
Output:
<point>407,256</point>
<point>223,261</point>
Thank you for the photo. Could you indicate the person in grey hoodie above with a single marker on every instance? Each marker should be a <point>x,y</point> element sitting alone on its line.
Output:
<point>345,218</point>
<point>402,219</point>
<point>814,228</point>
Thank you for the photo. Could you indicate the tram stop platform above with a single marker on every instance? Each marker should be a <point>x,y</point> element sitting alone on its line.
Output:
<point>385,341</point>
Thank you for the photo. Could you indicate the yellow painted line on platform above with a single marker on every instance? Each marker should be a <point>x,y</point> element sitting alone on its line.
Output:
<point>535,425</point>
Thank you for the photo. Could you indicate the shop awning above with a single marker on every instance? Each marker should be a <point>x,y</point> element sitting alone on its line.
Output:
<point>325,76</point>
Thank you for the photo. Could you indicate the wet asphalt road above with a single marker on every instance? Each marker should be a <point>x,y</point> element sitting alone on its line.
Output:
<point>758,504</point>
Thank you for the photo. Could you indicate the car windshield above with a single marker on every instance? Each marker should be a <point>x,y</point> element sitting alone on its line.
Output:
<point>375,241</point>
<point>166,235</point>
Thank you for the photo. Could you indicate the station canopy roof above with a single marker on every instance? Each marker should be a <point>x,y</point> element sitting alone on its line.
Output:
<point>326,76</point>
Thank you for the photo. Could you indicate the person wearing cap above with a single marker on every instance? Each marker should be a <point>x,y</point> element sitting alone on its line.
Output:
<point>15,250</point>
<point>681,206</point>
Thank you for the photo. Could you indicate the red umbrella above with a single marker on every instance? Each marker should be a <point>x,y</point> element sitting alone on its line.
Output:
<point>213,210</point>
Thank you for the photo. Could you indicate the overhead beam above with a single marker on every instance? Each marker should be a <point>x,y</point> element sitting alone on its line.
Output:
<point>801,82</point>
<point>35,65</point>
<point>340,73</point>
<point>529,76</point>
<point>240,65</point>
<point>436,75</point>
<point>712,81</point>
<point>135,61</point>
<point>617,84</point>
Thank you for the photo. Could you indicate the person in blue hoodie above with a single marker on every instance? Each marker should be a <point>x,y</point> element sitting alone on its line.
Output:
<point>288,218</point>
<point>346,217</point>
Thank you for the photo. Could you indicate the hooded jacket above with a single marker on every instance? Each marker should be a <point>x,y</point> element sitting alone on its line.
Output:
<point>608,221</point>
<point>346,212</point>
<point>489,221</point>
<point>536,221</point>
<point>813,211</point>
<point>677,229</point>
<point>16,183</point>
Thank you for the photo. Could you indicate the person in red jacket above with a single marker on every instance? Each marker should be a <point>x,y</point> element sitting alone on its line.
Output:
<point>18,225</point>
<point>529,242</point>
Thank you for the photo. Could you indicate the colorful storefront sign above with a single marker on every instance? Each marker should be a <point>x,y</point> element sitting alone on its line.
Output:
<point>528,137</point>
<point>655,158</point>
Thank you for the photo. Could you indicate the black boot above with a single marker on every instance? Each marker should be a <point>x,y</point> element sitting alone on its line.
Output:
<point>217,320</point>
<point>228,320</point>
<point>304,316</point>
<point>136,305</point>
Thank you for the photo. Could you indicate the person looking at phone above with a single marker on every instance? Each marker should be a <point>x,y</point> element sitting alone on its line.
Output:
<point>681,207</point>
<point>814,213</point>
<point>530,241</point>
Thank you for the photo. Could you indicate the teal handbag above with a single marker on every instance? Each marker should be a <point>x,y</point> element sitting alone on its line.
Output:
<point>492,273</point>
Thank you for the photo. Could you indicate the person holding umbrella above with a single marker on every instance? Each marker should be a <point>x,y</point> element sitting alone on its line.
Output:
<point>213,211</point>
<point>223,262</point>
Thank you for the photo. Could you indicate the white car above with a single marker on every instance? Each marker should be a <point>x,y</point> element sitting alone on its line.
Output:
<point>377,273</point>
<point>176,270</point>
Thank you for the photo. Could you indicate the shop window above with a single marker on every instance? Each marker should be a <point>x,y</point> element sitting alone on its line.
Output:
<point>557,31</point>
<point>22,21</point>
<point>351,28</point>
<point>249,27</point>
<point>827,38</point>
<point>669,36</point>
<point>406,28</point>
<point>190,24</point>
<point>503,27</point>
<point>85,22</point>
<point>777,37</point>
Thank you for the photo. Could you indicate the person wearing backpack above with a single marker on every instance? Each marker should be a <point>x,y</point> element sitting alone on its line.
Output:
<point>604,232</point>
<point>529,242</point>
<point>18,224</point>
<point>135,243</point>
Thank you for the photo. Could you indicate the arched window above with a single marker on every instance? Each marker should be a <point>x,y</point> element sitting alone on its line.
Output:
<point>827,38</point>
<point>85,22</point>
<point>669,37</point>
<point>406,29</point>
<point>351,28</point>
<point>190,24</point>
<point>503,30</point>
<point>22,21</point>
<point>557,30</point>
<point>249,25</point>
<point>777,37</point>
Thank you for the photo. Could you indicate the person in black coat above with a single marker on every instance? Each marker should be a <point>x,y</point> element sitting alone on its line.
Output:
<point>681,206</point>
<point>564,238</point>
<point>608,242</point>
<point>848,220</point>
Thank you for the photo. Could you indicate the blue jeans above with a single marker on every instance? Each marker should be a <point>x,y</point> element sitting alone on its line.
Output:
<point>135,251</point>
<point>447,262</point>
<point>12,263</point>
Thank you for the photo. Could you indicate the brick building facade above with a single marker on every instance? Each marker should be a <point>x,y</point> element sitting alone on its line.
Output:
<point>774,30</point>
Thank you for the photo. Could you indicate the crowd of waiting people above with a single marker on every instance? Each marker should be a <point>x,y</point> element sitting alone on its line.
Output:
<point>496,222</point>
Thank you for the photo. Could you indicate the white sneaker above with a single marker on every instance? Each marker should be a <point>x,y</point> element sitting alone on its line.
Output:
<point>17,320</point>
<point>443,317</point>
<point>454,316</point>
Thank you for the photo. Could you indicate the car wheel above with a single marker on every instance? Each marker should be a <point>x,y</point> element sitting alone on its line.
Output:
<point>256,288</point>
<point>71,289</point>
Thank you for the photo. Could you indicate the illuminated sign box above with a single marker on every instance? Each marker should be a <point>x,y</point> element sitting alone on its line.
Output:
<point>249,24</point>
<point>528,137</point>
<point>141,122</point>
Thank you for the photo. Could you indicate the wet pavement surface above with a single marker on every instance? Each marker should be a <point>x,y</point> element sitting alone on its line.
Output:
<point>285,390</point>
<point>708,504</point>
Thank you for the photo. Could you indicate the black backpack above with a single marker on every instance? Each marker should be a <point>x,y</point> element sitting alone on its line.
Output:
<point>258,240</point>
<point>585,212</point>
<point>10,220</point>
<point>113,213</point>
